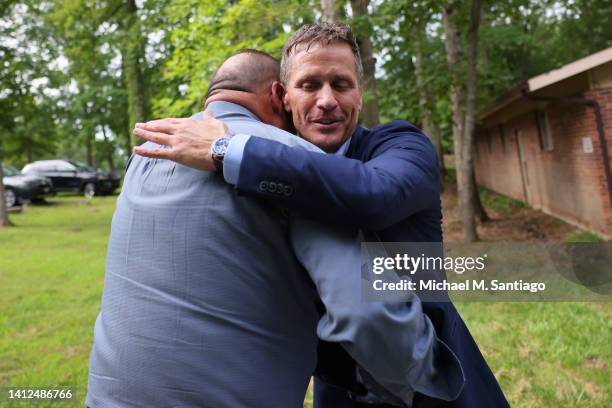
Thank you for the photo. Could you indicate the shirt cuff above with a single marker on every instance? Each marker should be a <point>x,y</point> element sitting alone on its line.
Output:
<point>233,157</point>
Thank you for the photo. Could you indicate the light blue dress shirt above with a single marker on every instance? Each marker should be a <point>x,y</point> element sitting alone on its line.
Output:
<point>235,152</point>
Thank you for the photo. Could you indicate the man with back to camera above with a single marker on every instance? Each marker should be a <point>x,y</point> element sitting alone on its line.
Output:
<point>392,169</point>
<point>206,305</point>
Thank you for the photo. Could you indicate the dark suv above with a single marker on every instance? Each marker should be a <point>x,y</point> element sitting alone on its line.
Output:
<point>72,176</point>
<point>19,188</point>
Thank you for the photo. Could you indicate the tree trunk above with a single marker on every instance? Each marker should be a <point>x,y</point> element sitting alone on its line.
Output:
<point>330,11</point>
<point>4,219</point>
<point>437,138</point>
<point>471,193</point>
<point>481,213</point>
<point>431,129</point>
<point>454,59</point>
<point>88,132</point>
<point>109,153</point>
<point>463,121</point>
<point>369,112</point>
<point>89,147</point>
<point>133,57</point>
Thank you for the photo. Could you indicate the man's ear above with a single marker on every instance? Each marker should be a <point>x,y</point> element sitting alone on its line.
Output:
<point>278,90</point>
<point>277,97</point>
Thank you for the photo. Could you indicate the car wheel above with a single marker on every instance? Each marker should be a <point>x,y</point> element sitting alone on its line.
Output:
<point>10,198</point>
<point>89,191</point>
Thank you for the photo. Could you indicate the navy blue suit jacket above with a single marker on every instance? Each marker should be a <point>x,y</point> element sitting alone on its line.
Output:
<point>388,185</point>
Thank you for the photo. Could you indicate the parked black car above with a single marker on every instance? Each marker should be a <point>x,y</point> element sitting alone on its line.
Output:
<point>72,176</point>
<point>19,187</point>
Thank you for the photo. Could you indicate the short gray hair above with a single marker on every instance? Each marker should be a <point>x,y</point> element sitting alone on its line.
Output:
<point>323,34</point>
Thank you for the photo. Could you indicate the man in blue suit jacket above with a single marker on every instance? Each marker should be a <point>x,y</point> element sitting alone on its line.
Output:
<point>383,179</point>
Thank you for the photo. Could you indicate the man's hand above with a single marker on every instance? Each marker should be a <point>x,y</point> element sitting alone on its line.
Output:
<point>189,141</point>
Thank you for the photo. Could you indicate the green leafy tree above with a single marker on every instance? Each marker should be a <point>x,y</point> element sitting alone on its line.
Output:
<point>205,33</point>
<point>29,87</point>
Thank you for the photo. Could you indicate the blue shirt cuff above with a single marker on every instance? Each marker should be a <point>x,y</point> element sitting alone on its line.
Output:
<point>233,157</point>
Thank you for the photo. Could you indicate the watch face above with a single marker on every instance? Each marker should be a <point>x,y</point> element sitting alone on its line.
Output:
<point>220,146</point>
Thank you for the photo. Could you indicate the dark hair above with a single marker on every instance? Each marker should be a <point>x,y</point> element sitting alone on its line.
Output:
<point>249,74</point>
<point>324,34</point>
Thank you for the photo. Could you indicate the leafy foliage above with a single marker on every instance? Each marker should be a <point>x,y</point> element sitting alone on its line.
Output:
<point>29,92</point>
<point>206,33</point>
<point>65,86</point>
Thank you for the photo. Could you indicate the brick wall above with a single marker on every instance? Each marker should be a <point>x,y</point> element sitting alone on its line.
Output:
<point>604,98</point>
<point>496,168</point>
<point>565,182</point>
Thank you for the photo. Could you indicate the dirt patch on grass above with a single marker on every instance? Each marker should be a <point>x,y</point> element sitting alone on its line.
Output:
<point>594,362</point>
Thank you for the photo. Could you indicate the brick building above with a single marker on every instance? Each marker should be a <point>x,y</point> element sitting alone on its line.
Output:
<point>547,142</point>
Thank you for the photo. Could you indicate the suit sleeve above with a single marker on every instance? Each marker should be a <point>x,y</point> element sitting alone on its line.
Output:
<point>394,342</point>
<point>398,178</point>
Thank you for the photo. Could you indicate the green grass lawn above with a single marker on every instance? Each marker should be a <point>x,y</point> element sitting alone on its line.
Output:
<point>51,275</point>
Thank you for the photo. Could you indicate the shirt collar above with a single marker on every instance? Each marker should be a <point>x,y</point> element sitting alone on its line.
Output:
<point>343,149</point>
<point>225,110</point>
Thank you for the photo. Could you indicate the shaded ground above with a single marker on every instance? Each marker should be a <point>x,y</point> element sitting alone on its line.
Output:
<point>511,220</point>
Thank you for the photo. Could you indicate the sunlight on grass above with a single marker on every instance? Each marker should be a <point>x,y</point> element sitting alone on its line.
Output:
<point>546,354</point>
<point>51,276</point>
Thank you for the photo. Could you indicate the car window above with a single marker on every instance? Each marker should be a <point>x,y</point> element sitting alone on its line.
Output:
<point>82,166</point>
<point>10,171</point>
<point>64,166</point>
<point>34,168</point>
